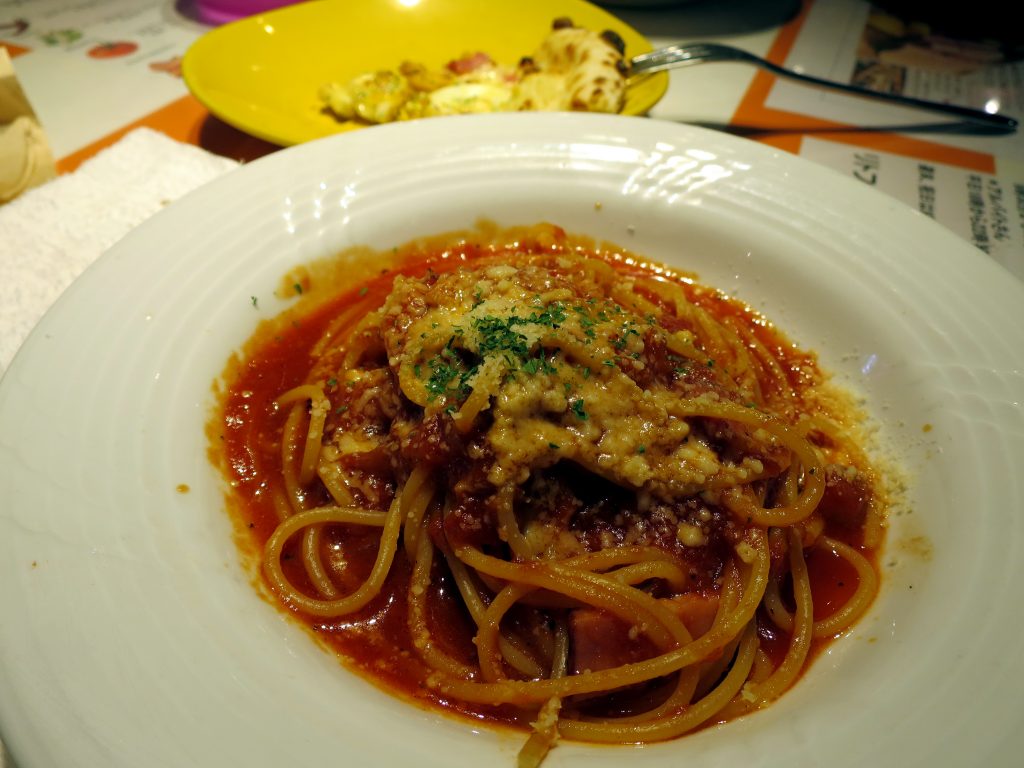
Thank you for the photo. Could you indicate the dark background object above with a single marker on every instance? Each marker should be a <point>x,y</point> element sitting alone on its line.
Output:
<point>975,20</point>
<point>697,19</point>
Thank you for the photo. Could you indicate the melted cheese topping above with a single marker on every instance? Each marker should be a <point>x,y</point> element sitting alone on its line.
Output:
<point>573,69</point>
<point>555,367</point>
<point>587,70</point>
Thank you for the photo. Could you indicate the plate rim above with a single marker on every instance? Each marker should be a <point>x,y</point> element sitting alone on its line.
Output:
<point>269,166</point>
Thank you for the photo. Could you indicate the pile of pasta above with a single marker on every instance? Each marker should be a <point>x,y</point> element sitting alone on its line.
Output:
<point>609,503</point>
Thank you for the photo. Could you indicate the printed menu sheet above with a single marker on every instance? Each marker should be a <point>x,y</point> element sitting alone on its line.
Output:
<point>983,208</point>
<point>117,60</point>
<point>971,183</point>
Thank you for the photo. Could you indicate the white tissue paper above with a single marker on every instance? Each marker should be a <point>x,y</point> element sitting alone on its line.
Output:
<point>50,234</point>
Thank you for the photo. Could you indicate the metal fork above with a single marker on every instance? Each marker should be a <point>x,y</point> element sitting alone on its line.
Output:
<point>697,53</point>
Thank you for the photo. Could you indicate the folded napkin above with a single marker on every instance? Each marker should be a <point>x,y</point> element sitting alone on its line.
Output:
<point>50,234</point>
<point>25,157</point>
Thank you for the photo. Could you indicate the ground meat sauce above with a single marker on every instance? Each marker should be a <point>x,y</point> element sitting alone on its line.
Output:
<point>561,501</point>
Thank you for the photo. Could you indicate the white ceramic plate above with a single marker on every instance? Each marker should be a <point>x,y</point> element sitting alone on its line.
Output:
<point>131,635</point>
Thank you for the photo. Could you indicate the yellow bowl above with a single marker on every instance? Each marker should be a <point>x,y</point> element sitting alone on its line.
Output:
<point>262,74</point>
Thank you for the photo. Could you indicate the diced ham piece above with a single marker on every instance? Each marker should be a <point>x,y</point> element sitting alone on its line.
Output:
<point>696,610</point>
<point>846,498</point>
<point>602,641</point>
<point>470,63</point>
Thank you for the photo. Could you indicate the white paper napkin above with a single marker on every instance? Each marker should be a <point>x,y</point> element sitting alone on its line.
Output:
<point>50,234</point>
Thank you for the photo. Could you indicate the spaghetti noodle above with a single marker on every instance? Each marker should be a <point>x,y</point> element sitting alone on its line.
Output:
<point>547,483</point>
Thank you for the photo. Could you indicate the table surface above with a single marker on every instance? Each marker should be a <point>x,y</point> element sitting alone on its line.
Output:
<point>972,184</point>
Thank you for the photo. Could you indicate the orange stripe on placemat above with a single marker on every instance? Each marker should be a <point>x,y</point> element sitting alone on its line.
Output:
<point>187,121</point>
<point>786,130</point>
<point>893,143</point>
<point>13,50</point>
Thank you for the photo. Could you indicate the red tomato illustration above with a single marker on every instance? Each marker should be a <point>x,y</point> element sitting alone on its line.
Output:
<point>112,50</point>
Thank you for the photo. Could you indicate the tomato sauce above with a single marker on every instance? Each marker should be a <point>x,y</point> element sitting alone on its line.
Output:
<point>245,440</point>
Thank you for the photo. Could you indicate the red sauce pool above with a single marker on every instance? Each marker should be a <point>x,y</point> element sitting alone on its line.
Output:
<point>376,641</point>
